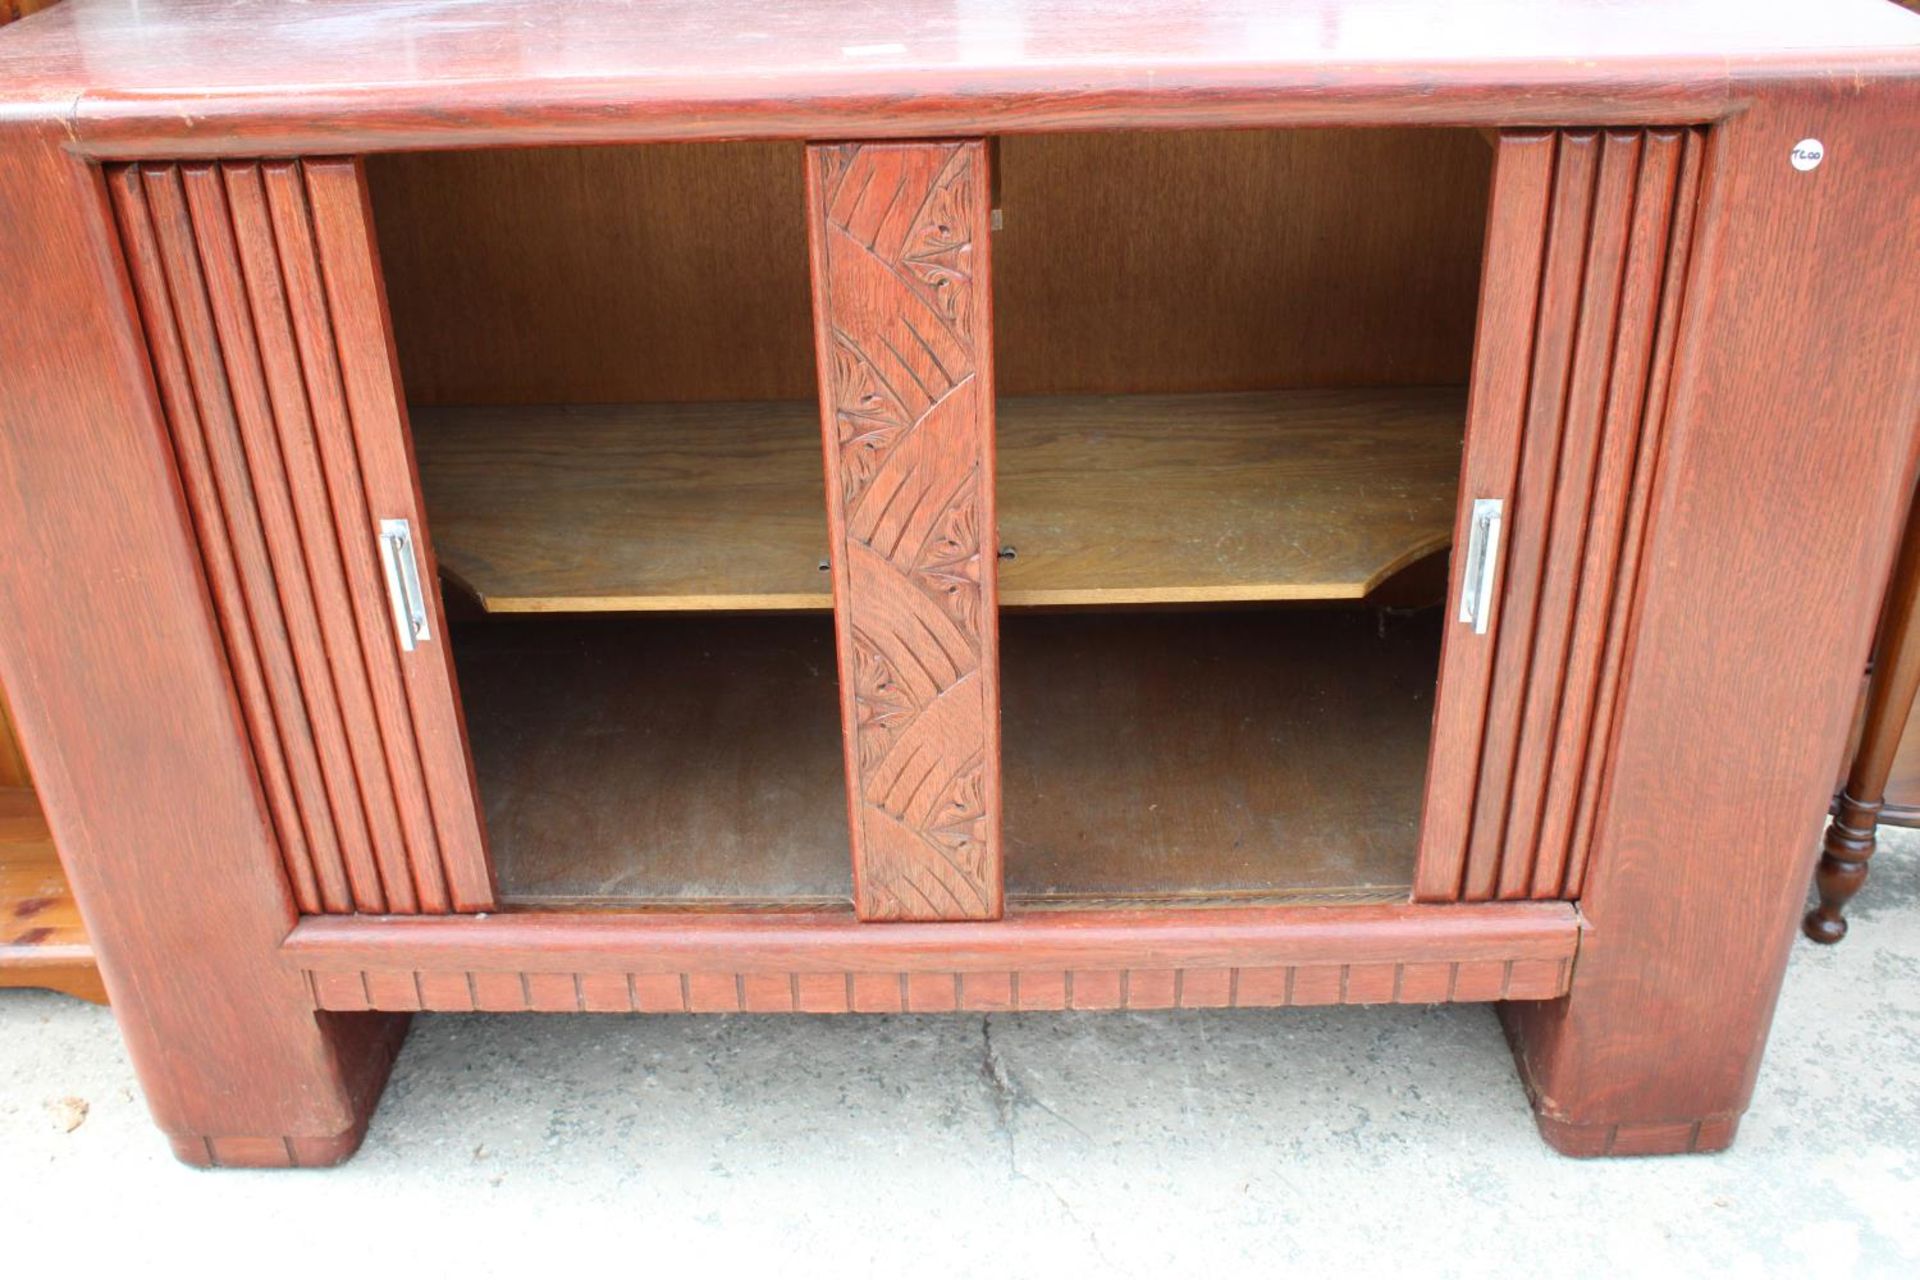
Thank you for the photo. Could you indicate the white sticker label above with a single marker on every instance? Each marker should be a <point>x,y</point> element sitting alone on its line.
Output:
<point>1807,154</point>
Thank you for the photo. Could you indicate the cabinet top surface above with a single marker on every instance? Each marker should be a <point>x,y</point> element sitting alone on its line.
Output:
<point>412,73</point>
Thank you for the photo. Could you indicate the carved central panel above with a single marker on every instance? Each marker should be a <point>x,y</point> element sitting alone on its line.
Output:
<point>901,317</point>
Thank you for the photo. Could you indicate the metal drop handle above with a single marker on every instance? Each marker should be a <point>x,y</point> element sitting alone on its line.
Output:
<point>1483,564</point>
<point>403,582</point>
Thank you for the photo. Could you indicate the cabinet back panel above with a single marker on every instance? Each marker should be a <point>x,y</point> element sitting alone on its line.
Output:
<point>1238,261</point>
<point>1128,262</point>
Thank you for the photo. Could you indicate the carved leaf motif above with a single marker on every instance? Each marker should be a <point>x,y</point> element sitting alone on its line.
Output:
<point>899,316</point>
<point>883,705</point>
<point>948,567</point>
<point>938,255</point>
<point>871,419</point>
<point>957,826</point>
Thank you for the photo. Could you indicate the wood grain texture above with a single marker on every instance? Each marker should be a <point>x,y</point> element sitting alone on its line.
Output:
<point>141,757</point>
<point>1572,448</point>
<point>1139,262</point>
<point>1795,377</point>
<point>1163,262</point>
<point>1709,812</point>
<point>598,275</point>
<point>270,77</point>
<point>258,380</point>
<point>1214,755</point>
<point>696,762</point>
<point>1498,948</point>
<point>903,330</point>
<point>688,760</point>
<point>43,942</point>
<point>1302,495</point>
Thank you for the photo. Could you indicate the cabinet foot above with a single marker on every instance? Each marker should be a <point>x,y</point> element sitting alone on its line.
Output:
<point>363,1048</point>
<point>1571,1063</point>
<point>1850,842</point>
<point>230,1152</point>
<point>1677,1138</point>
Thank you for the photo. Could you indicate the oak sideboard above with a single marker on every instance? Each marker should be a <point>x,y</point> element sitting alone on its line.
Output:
<point>941,506</point>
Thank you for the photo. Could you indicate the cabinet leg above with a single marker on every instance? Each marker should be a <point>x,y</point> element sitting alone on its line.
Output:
<point>1849,844</point>
<point>1590,1126</point>
<point>139,746</point>
<point>363,1047</point>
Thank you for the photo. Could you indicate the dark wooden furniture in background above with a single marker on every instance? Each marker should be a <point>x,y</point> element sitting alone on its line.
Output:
<point>1882,783</point>
<point>1413,538</point>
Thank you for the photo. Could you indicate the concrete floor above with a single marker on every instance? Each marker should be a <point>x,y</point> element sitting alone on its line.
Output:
<point>1342,1142</point>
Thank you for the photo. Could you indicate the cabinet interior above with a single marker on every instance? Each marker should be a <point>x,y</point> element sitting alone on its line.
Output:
<point>1231,370</point>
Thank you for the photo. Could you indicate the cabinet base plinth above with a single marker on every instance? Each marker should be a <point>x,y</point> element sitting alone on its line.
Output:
<point>1674,1138</point>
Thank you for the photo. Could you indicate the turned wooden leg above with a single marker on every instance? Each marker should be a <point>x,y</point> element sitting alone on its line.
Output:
<point>1843,865</point>
<point>1896,679</point>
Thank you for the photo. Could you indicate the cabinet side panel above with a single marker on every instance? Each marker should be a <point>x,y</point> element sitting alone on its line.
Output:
<point>1787,462</point>
<point>903,334</point>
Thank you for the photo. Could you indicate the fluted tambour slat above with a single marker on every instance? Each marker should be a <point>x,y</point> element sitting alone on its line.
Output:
<point>1578,323</point>
<point>257,352</point>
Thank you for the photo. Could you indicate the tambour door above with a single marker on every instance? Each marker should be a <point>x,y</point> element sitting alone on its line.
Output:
<point>260,290</point>
<point>1588,243</point>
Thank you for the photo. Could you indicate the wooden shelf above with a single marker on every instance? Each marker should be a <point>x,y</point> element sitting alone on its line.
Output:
<point>1275,756</point>
<point>42,942</point>
<point>1106,500</point>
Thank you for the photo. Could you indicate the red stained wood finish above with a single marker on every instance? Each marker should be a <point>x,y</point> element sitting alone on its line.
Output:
<point>290,445</point>
<point>1588,245</point>
<point>1710,810</point>
<point>132,721</point>
<point>1111,959</point>
<point>1255,987</point>
<point>210,77</point>
<point>1687,349</point>
<point>902,320</point>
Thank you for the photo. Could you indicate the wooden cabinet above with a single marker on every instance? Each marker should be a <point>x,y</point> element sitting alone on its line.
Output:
<point>1203,557</point>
